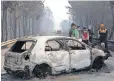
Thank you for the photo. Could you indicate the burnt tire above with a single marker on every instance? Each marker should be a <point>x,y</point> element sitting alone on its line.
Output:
<point>42,71</point>
<point>20,75</point>
<point>98,63</point>
<point>8,72</point>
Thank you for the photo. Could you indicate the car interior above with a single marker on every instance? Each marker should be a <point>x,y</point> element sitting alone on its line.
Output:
<point>75,45</point>
<point>53,45</point>
<point>21,46</point>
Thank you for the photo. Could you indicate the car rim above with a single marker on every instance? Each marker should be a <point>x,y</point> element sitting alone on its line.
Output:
<point>43,72</point>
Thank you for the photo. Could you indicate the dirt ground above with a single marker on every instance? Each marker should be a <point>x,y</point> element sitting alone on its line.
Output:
<point>105,74</point>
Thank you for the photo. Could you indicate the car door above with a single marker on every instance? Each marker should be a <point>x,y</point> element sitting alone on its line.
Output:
<point>57,55</point>
<point>79,54</point>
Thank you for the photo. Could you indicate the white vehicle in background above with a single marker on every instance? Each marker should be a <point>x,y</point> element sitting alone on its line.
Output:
<point>42,55</point>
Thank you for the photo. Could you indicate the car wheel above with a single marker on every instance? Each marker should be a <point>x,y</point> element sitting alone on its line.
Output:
<point>20,74</point>
<point>41,71</point>
<point>98,63</point>
<point>8,72</point>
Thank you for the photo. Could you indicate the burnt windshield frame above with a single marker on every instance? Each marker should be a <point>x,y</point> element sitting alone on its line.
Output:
<point>86,46</point>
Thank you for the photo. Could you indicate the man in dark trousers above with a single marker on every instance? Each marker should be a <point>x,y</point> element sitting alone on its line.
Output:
<point>90,34</point>
<point>103,33</point>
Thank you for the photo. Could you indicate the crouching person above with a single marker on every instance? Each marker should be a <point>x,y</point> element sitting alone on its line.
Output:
<point>102,47</point>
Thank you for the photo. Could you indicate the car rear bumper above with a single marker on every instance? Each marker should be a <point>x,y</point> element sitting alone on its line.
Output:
<point>17,70</point>
<point>12,71</point>
<point>13,66</point>
<point>20,73</point>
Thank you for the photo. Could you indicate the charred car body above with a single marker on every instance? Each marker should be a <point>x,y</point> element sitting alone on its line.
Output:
<point>42,55</point>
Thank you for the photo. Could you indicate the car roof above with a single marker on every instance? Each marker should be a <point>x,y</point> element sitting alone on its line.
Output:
<point>41,38</point>
<point>48,37</point>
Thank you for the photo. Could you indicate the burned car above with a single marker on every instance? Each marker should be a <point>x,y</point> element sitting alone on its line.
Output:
<point>42,55</point>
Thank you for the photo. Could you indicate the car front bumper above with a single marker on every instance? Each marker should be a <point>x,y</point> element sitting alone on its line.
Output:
<point>107,56</point>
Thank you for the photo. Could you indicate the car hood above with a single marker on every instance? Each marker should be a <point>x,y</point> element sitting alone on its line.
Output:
<point>98,52</point>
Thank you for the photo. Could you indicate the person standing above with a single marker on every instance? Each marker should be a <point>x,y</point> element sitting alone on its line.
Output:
<point>74,31</point>
<point>103,33</point>
<point>90,34</point>
<point>85,35</point>
<point>79,30</point>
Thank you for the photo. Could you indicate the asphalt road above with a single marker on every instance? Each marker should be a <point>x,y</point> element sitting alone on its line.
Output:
<point>102,75</point>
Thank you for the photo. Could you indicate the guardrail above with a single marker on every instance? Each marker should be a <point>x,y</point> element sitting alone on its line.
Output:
<point>8,42</point>
<point>112,41</point>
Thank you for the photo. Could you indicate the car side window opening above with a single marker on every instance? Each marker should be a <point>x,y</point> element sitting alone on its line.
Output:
<point>21,46</point>
<point>27,45</point>
<point>53,45</point>
<point>75,45</point>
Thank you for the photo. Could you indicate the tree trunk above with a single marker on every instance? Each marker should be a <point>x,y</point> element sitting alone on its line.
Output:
<point>4,27</point>
<point>19,27</point>
<point>112,29</point>
<point>2,33</point>
<point>24,25</point>
<point>15,28</point>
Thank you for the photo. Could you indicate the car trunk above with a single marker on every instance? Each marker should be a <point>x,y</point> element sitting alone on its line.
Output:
<point>13,58</point>
<point>20,51</point>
